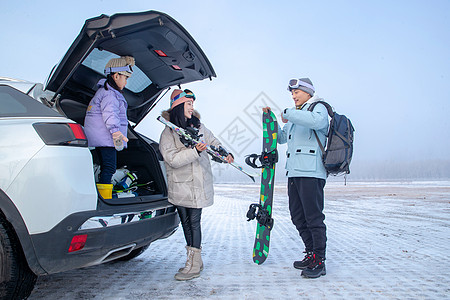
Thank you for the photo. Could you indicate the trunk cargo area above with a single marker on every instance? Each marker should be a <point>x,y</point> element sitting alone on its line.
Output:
<point>141,158</point>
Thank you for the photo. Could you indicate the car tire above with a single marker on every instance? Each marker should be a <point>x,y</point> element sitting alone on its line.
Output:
<point>16,279</point>
<point>134,253</point>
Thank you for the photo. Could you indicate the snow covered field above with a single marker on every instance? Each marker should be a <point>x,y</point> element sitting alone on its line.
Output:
<point>385,241</point>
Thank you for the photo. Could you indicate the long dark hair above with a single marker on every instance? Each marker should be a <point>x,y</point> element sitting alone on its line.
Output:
<point>177,117</point>
<point>111,82</point>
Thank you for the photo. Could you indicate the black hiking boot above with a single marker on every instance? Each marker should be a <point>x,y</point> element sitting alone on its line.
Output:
<point>305,262</point>
<point>316,268</point>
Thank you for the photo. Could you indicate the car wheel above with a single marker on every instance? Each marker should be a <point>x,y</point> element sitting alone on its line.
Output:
<point>134,253</point>
<point>16,279</point>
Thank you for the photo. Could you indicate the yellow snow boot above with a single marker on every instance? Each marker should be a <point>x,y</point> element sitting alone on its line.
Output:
<point>105,190</point>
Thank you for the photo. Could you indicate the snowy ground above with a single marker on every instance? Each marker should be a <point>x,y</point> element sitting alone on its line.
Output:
<point>385,241</point>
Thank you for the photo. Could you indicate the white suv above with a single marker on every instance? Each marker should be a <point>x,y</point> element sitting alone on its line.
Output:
<point>52,218</point>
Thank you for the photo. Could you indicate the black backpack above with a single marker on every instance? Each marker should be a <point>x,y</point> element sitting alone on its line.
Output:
<point>339,147</point>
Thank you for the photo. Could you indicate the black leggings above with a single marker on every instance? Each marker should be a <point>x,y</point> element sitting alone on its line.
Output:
<point>190,221</point>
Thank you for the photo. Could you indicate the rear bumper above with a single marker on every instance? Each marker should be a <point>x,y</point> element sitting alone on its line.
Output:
<point>109,236</point>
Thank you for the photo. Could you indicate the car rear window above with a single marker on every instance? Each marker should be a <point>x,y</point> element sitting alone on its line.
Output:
<point>97,61</point>
<point>14,103</point>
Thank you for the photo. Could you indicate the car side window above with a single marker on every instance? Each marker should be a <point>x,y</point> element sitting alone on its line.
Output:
<point>14,103</point>
<point>10,106</point>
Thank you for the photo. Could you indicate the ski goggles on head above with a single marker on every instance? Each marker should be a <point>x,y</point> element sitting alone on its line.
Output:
<point>189,94</point>
<point>296,83</point>
<point>178,98</point>
<point>184,94</point>
<point>112,70</point>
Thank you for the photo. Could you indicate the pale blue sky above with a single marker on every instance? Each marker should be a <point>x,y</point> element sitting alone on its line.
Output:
<point>385,64</point>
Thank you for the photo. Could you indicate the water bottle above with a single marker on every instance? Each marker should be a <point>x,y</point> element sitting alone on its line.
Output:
<point>118,144</point>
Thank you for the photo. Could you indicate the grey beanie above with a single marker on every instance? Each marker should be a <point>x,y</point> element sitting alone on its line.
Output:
<point>307,88</point>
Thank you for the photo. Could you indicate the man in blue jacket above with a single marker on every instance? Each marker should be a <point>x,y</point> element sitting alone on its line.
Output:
<point>306,173</point>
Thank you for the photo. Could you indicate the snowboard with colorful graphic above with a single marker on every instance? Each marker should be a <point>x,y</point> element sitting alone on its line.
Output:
<point>263,211</point>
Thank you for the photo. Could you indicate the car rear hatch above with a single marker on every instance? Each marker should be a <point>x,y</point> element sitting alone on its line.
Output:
<point>165,55</point>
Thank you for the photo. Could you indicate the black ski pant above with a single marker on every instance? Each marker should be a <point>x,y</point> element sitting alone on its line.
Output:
<point>190,221</point>
<point>306,207</point>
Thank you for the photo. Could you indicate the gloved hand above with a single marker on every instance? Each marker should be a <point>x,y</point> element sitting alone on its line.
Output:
<point>118,139</point>
<point>119,136</point>
<point>283,116</point>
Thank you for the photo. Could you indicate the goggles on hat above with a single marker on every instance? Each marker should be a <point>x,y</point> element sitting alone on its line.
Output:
<point>184,94</point>
<point>296,83</point>
<point>112,70</point>
<point>189,94</point>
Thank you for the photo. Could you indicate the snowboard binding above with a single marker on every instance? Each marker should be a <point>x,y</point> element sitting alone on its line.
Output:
<point>194,134</point>
<point>221,151</point>
<point>267,159</point>
<point>262,216</point>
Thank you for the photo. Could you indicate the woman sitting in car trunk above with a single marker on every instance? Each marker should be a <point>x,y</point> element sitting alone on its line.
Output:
<point>189,175</point>
<point>106,121</point>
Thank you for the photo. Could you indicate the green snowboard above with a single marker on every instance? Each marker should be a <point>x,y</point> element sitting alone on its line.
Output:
<point>268,159</point>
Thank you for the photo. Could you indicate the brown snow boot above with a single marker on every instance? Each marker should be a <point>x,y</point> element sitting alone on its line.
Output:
<point>188,262</point>
<point>192,270</point>
<point>199,259</point>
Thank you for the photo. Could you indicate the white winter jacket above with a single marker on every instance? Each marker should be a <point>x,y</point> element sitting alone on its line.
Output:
<point>189,175</point>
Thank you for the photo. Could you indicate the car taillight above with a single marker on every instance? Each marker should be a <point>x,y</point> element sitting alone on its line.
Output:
<point>64,134</point>
<point>77,242</point>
